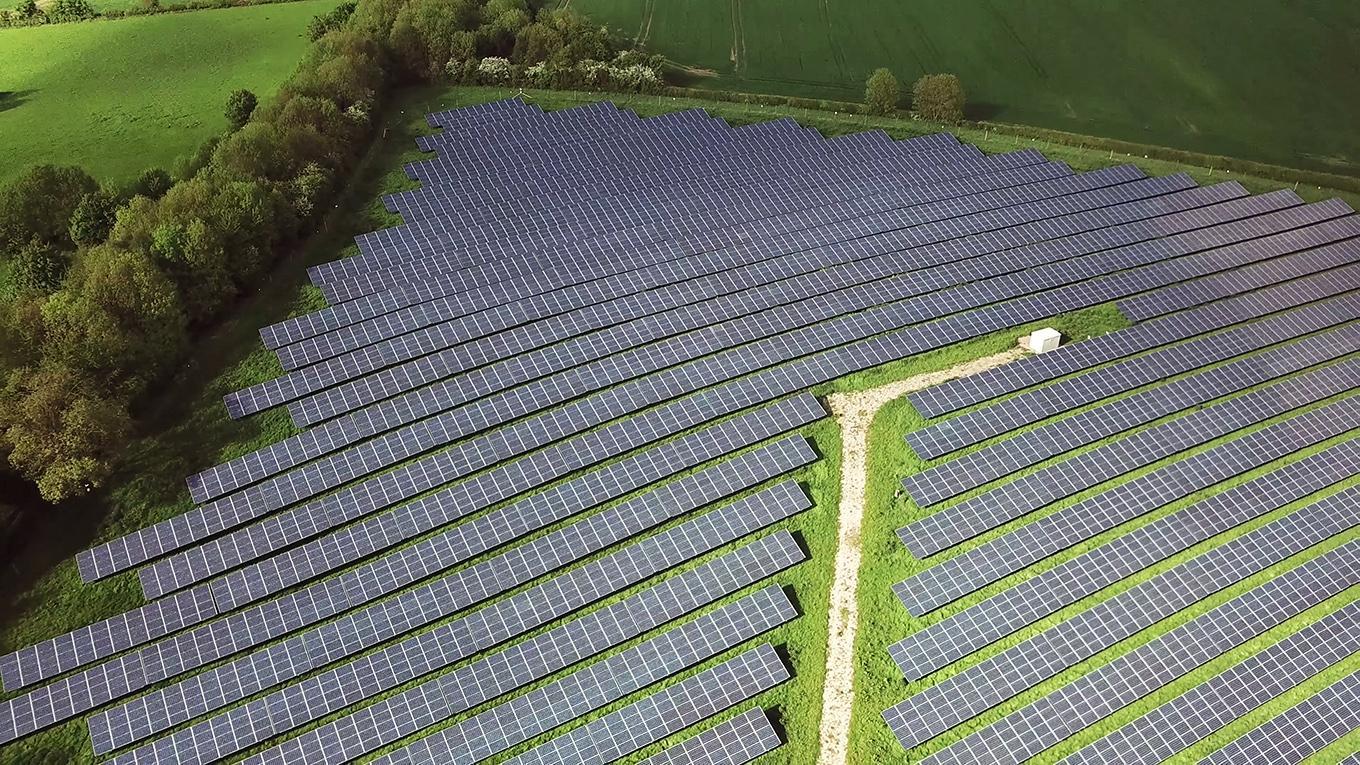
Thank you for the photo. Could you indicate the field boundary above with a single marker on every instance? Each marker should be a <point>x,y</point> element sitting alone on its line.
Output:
<point>131,13</point>
<point>1217,162</point>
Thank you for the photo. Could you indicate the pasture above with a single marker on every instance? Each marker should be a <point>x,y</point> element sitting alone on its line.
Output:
<point>120,96</point>
<point>1221,77</point>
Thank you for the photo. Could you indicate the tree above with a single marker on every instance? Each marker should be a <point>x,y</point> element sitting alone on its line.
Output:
<point>423,32</point>
<point>116,320</point>
<point>881,92</point>
<point>39,204</point>
<point>152,183</point>
<point>39,268</point>
<point>938,97</point>
<point>240,105</point>
<point>93,218</point>
<point>325,22</point>
<point>60,430</point>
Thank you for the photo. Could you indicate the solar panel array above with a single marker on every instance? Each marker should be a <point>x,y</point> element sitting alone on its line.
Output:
<point>1210,442</point>
<point>735,741</point>
<point>580,365</point>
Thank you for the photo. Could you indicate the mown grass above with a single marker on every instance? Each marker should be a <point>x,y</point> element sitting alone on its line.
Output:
<point>878,682</point>
<point>1218,76</point>
<point>186,429</point>
<point>119,97</point>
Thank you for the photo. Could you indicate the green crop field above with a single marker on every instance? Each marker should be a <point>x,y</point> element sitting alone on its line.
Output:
<point>119,96</point>
<point>1255,79</point>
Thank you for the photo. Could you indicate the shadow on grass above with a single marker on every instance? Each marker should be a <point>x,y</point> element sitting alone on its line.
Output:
<point>183,426</point>
<point>13,99</point>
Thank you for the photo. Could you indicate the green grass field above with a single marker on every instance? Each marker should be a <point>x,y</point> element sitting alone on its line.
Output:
<point>186,428</point>
<point>1255,79</point>
<point>119,96</point>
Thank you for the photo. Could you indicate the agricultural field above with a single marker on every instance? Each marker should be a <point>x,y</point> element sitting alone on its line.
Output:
<point>1219,77</point>
<point>120,96</point>
<point>188,430</point>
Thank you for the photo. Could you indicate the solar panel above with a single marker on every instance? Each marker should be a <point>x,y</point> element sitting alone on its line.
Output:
<point>1301,730</point>
<point>1033,370</point>
<point>1179,723</point>
<point>586,690</point>
<point>992,508</point>
<point>960,634</point>
<point>1033,728</point>
<point>481,491</point>
<point>469,685</point>
<point>619,733</point>
<point>440,598</point>
<point>1067,395</point>
<point>735,741</point>
<point>1007,554</point>
<point>1022,666</point>
<point>107,637</point>
<point>1051,439</point>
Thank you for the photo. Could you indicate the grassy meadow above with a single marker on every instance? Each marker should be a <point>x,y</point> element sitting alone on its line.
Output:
<point>120,96</point>
<point>1254,79</point>
<point>185,429</point>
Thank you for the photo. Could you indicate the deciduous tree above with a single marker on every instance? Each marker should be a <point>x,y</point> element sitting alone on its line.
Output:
<point>938,97</point>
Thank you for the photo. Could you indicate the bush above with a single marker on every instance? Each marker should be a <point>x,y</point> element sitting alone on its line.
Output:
<point>240,105</point>
<point>938,97</point>
<point>71,10</point>
<point>493,70</point>
<point>882,92</point>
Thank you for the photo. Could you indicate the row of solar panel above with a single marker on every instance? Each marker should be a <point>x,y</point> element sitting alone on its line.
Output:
<point>1130,281</point>
<point>964,392</point>
<point>1009,501</point>
<point>454,545</point>
<point>1032,729</point>
<point>464,688</point>
<point>938,208</point>
<point>614,256</point>
<point>1029,730</point>
<point>334,471</point>
<point>374,624</point>
<point>1014,550</point>
<point>1088,426</point>
<point>1153,665</point>
<point>333,343</point>
<point>1028,408</point>
<point>644,217</point>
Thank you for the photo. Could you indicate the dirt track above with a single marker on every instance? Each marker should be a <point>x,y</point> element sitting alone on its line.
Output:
<point>854,412</point>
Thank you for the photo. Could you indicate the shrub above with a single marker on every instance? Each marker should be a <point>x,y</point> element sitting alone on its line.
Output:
<point>881,92</point>
<point>938,97</point>
<point>493,70</point>
<point>240,105</point>
<point>71,10</point>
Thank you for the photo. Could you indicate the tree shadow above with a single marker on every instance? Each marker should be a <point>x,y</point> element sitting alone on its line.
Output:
<point>981,111</point>
<point>12,99</point>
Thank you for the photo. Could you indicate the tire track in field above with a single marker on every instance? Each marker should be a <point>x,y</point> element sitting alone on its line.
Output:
<point>738,39</point>
<point>645,24</point>
<point>837,56</point>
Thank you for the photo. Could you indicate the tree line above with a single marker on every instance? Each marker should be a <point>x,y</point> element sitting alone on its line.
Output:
<point>105,288</point>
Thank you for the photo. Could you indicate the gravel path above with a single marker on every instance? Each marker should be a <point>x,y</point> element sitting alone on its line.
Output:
<point>854,412</point>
